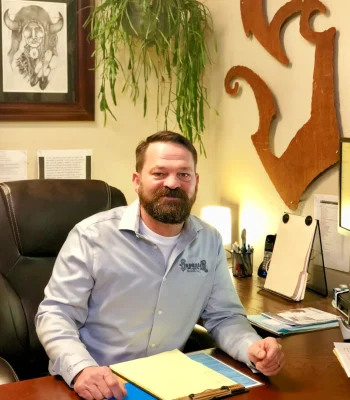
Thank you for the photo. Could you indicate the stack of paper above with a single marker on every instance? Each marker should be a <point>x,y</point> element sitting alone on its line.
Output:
<point>170,375</point>
<point>342,351</point>
<point>287,274</point>
<point>295,321</point>
<point>302,316</point>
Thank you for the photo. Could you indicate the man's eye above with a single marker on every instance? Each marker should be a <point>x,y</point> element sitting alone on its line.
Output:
<point>158,174</point>
<point>184,175</point>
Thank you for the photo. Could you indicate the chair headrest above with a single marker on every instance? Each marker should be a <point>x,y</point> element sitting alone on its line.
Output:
<point>41,212</point>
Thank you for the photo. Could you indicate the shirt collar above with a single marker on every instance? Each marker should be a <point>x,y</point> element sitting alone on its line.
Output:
<point>130,220</point>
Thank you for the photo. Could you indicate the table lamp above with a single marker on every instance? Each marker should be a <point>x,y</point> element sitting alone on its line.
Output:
<point>344,211</point>
<point>344,187</point>
<point>220,218</point>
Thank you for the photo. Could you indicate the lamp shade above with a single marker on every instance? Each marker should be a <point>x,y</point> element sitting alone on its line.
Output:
<point>344,188</point>
<point>220,218</point>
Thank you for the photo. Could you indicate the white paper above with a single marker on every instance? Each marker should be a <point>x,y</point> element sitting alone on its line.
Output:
<point>307,316</point>
<point>273,322</point>
<point>13,165</point>
<point>336,247</point>
<point>343,355</point>
<point>64,164</point>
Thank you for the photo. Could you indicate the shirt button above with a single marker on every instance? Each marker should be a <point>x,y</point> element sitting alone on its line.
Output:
<point>160,312</point>
<point>153,345</point>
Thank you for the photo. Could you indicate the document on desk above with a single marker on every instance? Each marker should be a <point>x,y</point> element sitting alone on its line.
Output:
<point>301,316</point>
<point>342,351</point>
<point>282,329</point>
<point>170,375</point>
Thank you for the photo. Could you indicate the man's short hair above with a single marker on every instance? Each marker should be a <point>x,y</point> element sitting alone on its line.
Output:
<point>163,136</point>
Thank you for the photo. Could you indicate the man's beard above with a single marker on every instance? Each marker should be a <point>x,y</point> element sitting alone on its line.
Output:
<point>164,210</point>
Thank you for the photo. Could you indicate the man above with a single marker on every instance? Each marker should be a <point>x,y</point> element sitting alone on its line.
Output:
<point>133,281</point>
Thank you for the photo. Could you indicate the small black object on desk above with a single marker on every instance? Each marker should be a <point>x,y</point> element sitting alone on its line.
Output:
<point>343,304</point>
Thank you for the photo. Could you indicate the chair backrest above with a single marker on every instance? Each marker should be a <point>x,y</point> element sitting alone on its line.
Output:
<point>35,218</point>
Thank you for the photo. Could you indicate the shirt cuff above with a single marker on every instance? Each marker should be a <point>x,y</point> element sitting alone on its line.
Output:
<point>253,368</point>
<point>245,344</point>
<point>68,374</point>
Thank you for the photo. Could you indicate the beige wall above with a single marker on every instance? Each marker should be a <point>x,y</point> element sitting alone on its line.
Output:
<point>232,174</point>
<point>113,146</point>
<point>242,178</point>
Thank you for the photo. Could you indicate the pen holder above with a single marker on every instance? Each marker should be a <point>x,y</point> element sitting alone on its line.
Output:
<point>242,264</point>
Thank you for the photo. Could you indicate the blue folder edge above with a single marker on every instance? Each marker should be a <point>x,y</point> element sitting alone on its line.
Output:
<point>135,393</point>
<point>224,369</point>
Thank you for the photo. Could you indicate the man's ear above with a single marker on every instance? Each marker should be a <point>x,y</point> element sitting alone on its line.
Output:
<point>136,181</point>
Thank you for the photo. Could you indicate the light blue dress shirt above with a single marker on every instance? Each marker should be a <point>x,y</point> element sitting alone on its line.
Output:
<point>111,298</point>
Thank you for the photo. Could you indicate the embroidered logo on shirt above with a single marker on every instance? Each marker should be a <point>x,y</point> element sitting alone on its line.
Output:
<point>193,267</point>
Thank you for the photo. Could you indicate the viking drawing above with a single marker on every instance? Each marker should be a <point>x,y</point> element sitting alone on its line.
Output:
<point>34,43</point>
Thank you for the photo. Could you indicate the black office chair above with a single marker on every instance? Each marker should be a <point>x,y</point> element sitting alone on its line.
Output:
<point>35,218</point>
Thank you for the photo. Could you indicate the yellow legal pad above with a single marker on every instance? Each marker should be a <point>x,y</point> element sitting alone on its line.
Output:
<point>170,375</point>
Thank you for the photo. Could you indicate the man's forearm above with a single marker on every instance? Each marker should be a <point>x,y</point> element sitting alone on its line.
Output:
<point>60,339</point>
<point>234,336</point>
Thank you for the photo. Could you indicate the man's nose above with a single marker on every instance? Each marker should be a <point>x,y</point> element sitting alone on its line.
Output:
<point>172,182</point>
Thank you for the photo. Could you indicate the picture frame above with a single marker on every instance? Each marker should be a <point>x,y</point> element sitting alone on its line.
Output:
<point>76,101</point>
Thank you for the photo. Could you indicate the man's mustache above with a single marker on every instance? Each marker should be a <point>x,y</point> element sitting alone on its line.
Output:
<point>175,193</point>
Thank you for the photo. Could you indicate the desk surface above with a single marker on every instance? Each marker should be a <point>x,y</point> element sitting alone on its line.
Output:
<point>311,371</point>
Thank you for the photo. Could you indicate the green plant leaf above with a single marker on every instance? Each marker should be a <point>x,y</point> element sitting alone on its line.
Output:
<point>135,38</point>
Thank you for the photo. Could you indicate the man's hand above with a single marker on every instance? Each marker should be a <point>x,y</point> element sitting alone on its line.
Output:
<point>98,383</point>
<point>267,355</point>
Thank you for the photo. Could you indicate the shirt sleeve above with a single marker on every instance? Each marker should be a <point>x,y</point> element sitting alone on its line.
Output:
<point>224,316</point>
<point>65,307</point>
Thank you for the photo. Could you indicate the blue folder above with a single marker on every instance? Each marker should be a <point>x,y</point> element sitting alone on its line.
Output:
<point>135,393</point>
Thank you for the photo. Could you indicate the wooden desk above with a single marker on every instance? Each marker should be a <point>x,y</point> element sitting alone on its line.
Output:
<point>311,371</point>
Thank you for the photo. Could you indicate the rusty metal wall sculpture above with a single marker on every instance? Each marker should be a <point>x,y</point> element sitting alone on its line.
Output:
<point>314,148</point>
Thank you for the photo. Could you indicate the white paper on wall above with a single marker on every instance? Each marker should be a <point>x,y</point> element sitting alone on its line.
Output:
<point>13,165</point>
<point>64,164</point>
<point>336,247</point>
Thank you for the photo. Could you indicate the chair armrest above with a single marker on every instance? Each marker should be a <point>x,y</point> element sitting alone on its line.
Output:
<point>199,340</point>
<point>7,373</point>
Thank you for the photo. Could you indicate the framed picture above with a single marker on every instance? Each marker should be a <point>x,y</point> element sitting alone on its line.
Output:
<point>46,63</point>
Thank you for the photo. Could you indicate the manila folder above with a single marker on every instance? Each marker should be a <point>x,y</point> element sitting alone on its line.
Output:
<point>170,375</point>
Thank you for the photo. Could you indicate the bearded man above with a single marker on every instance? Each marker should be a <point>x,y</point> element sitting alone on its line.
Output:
<point>126,284</point>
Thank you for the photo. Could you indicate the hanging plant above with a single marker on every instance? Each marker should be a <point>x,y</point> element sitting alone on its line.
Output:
<point>166,37</point>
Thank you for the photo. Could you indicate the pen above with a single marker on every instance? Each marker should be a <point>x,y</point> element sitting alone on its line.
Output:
<point>236,248</point>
